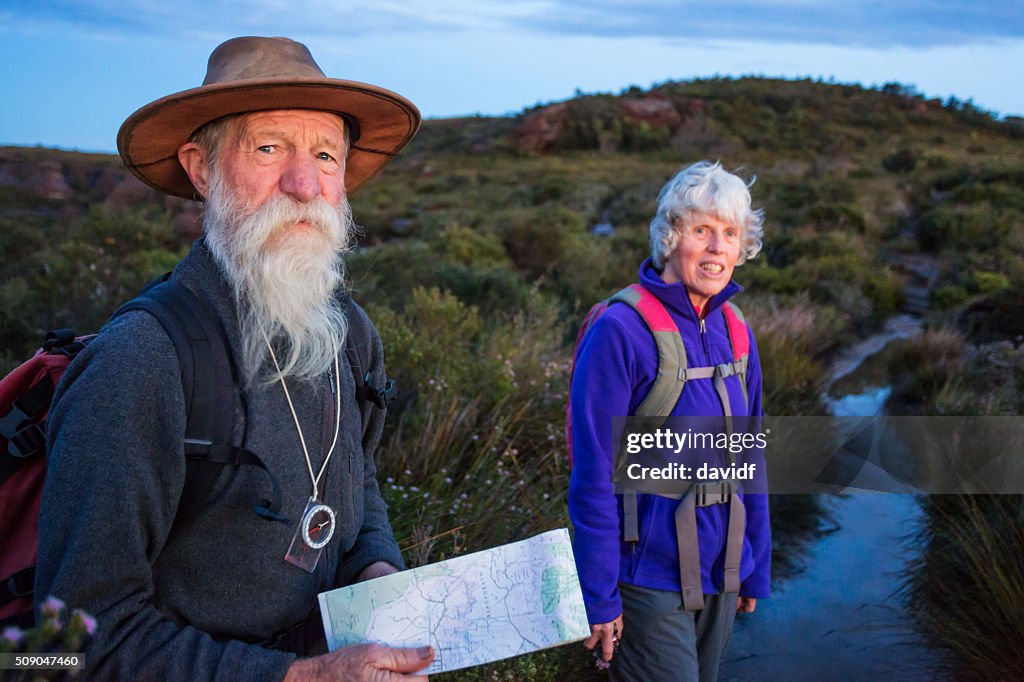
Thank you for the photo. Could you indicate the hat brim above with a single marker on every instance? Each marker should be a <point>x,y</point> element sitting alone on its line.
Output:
<point>149,139</point>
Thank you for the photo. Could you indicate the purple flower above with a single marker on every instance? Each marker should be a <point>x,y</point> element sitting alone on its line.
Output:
<point>88,622</point>
<point>52,607</point>
<point>13,634</point>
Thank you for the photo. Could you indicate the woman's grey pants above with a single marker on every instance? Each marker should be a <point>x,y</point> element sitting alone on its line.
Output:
<point>661,642</point>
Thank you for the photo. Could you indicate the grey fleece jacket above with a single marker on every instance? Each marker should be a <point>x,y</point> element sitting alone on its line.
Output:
<point>189,606</point>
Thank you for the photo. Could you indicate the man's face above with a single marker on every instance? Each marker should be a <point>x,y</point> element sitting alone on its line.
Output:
<point>299,154</point>
<point>278,221</point>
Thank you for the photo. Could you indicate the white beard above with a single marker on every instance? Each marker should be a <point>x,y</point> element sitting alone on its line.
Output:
<point>284,279</point>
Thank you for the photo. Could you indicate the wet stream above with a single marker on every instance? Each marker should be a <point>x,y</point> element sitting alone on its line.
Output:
<point>840,618</point>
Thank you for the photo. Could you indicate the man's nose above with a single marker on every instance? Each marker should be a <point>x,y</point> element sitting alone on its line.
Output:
<point>301,179</point>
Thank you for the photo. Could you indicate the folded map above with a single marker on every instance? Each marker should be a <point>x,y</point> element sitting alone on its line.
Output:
<point>473,609</point>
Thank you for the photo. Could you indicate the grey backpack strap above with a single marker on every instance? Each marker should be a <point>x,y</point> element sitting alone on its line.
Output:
<point>671,377</point>
<point>736,328</point>
<point>689,554</point>
<point>734,544</point>
<point>668,383</point>
<point>630,525</point>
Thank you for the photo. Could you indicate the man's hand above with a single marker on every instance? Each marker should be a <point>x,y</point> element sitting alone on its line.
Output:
<point>745,604</point>
<point>363,663</point>
<point>608,635</point>
<point>375,570</point>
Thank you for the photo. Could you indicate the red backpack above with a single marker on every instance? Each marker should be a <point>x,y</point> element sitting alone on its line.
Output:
<point>25,396</point>
<point>673,374</point>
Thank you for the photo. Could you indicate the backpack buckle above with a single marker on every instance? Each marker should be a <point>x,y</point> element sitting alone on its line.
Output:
<point>198,448</point>
<point>725,370</point>
<point>707,494</point>
<point>379,396</point>
<point>24,437</point>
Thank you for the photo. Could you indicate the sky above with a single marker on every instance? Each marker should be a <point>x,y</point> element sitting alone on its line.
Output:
<point>74,70</point>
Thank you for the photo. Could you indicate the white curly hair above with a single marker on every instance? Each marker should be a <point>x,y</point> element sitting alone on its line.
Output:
<point>705,188</point>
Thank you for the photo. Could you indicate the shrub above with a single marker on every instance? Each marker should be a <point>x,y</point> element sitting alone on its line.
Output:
<point>538,240</point>
<point>885,291</point>
<point>948,296</point>
<point>987,282</point>
<point>472,248</point>
<point>479,428</point>
<point>902,160</point>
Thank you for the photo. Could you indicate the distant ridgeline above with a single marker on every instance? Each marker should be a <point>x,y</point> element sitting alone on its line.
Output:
<point>495,209</point>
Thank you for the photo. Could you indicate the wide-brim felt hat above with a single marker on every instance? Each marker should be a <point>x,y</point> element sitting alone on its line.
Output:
<point>260,74</point>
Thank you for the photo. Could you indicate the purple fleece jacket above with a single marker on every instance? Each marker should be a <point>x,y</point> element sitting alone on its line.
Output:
<point>615,369</point>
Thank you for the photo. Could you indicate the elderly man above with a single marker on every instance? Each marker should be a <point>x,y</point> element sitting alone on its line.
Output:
<point>273,148</point>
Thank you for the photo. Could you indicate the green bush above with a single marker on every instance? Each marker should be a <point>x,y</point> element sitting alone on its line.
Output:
<point>949,296</point>
<point>479,425</point>
<point>538,240</point>
<point>472,248</point>
<point>987,282</point>
<point>885,291</point>
<point>902,160</point>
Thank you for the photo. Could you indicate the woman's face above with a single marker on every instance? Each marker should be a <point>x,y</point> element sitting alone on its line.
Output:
<point>705,256</point>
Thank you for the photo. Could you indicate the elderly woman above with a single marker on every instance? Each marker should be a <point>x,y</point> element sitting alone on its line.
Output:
<point>633,571</point>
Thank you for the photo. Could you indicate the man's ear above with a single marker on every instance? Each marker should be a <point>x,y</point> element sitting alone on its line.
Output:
<point>192,158</point>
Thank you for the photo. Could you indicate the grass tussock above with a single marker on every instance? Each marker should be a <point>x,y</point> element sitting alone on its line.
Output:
<point>479,429</point>
<point>793,336</point>
<point>967,588</point>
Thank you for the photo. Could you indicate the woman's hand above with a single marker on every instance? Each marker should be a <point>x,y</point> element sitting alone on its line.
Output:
<point>746,604</point>
<point>607,635</point>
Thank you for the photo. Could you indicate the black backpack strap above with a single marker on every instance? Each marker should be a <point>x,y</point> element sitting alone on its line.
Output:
<point>209,382</point>
<point>358,346</point>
